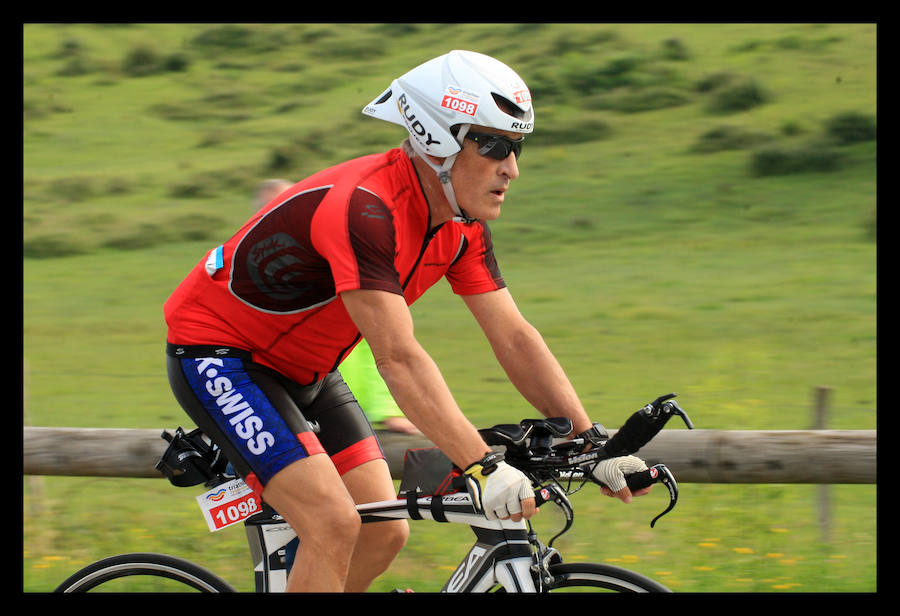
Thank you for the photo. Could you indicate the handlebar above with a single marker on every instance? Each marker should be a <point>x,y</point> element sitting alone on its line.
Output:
<point>530,447</point>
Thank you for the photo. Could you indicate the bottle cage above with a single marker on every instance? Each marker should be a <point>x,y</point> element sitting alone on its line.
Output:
<point>190,459</point>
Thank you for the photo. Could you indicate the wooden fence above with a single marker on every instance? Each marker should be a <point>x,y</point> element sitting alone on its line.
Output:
<point>698,456</point>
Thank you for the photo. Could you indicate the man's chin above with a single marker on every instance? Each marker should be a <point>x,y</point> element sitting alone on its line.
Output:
<point>491,212</point>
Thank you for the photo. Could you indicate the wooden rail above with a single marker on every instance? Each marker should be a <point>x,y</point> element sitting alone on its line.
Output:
<point>694,456</point>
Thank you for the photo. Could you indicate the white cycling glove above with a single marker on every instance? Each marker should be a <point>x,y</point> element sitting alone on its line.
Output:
<point>611,472</point>
<point>497,488</point>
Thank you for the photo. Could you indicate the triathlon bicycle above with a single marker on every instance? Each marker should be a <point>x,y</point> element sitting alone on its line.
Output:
<point>507,556</point>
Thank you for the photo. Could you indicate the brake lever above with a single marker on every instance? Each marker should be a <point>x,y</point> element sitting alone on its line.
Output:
<point>661,473</point>
<point>554,493</point>
<point>665,406</point>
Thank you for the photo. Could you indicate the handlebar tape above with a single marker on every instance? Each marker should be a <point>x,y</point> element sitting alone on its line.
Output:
<point>638,430</point>
<point>639,480</point>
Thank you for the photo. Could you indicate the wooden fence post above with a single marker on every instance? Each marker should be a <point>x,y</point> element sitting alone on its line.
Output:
<point>823,491</point>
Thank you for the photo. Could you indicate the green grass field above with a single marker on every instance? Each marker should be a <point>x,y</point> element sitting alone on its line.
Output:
<point>645,238</point>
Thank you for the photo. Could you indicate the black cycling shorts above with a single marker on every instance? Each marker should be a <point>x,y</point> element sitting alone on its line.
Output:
<point>262,420</point>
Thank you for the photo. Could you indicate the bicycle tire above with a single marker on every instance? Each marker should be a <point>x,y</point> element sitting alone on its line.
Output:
<point>596,575</point>
<point>144,564</point>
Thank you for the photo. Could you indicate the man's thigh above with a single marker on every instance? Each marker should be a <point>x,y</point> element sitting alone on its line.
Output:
<point>309,494</point>
<point>343,428</point>
<point>370,482</point>
<point>245,409</point>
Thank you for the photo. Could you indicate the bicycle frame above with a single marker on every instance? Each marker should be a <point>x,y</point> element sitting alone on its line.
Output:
<point>502,552</point>
<point>505,552</point>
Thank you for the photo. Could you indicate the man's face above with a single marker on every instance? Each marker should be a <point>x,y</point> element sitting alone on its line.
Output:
<point>480,182</point>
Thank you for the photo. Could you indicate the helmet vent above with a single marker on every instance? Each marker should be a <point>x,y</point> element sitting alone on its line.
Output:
<point>507,106</point>
<point>384,97</point>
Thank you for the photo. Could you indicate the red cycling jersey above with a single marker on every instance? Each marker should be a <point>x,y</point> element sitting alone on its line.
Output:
<point>274,287</point>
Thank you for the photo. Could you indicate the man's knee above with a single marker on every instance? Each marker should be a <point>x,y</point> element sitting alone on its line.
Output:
<point>312,499</point>
<point>378,546</point>
<point>339,526</point>
<point>393,536</point>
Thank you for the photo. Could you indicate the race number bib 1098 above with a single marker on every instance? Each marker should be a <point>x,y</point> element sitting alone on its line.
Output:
<point>228,504</point>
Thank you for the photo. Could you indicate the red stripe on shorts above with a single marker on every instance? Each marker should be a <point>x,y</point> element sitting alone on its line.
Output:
<point>253,483</point>
<point>310,443</point>
<point>365,450</point>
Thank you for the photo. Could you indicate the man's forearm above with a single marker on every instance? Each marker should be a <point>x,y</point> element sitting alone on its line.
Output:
<point>422,394</point>
<point>528,362</point>
<point>413,378</point>
<point>537,375</point>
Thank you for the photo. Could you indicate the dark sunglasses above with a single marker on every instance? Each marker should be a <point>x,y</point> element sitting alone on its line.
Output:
<point>494,146</point>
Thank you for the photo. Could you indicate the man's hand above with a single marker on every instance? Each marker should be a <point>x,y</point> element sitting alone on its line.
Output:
<point>611,473</point>
<point>499,490</point>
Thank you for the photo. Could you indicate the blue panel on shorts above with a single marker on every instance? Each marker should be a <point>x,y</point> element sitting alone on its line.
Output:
<point>244,414</point>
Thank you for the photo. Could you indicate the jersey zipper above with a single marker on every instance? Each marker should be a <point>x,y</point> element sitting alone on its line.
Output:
<point>429,235</point>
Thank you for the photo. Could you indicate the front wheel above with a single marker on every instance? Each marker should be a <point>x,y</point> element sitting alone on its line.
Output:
<point>143,572</point>
<point>593,577</point>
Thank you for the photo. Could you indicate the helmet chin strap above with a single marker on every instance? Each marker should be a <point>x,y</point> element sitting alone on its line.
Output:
<point>443,173</point>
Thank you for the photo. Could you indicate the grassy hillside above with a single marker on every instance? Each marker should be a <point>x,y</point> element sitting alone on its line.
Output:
<point>695,213</point>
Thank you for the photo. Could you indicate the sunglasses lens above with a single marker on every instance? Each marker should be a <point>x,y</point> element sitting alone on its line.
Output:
<point>497,147</point>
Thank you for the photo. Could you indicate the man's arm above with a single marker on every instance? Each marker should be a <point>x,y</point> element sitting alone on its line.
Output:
<point>413,378</point>
<point>531,366</point>
<point>528,362</point>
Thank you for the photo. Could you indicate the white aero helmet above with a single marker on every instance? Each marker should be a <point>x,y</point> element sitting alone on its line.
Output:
<point>439,100</point>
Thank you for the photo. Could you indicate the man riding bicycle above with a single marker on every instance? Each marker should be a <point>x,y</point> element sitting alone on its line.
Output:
<point>258,329</point>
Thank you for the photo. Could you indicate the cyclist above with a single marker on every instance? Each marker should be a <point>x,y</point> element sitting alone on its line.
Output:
<point>258,328</point>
